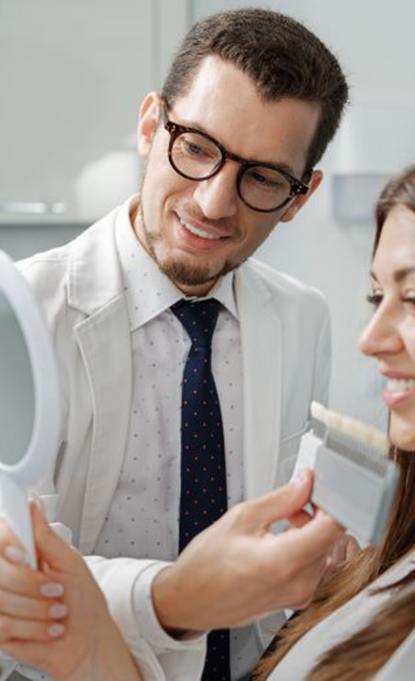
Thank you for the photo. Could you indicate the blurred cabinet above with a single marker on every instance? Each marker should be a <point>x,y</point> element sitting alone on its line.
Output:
<point>72,75</point>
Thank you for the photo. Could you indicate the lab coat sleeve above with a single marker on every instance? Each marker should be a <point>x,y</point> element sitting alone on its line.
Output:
<point>126,584</point>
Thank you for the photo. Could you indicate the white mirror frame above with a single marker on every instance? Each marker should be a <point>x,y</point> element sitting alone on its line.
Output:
<point>42,449</point>
<point>41,452</point>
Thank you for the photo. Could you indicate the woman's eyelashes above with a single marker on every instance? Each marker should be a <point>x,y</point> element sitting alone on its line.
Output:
<point>409,299</point>
<point>376,298</point>
<point>408,295</point>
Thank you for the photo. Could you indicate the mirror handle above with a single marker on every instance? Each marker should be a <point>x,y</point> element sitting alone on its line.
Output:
<point>14,506</point>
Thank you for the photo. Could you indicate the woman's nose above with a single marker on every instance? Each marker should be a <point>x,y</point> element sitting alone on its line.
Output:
<point>381,335</point>
<point>217,197</point>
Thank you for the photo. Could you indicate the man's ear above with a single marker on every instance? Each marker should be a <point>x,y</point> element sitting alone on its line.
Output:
<point>301,199</point>
<point>148,119</point>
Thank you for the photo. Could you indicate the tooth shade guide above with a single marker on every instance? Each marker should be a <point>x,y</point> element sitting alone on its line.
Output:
<point>349,426</point>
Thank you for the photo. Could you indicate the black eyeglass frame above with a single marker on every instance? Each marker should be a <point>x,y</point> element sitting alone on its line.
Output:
<point>175,130</point>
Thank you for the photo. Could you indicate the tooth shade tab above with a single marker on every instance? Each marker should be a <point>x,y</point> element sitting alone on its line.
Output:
<point>352,427</point>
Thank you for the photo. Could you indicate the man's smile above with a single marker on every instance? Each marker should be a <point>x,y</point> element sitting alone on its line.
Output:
<point>191,233</point>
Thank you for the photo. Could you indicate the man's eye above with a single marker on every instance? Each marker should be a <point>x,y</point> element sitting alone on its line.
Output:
<point>262,180</point>
<point>193,149</point>
<point>196,150</point>
<point>409,299</point>
<point>374,299</point>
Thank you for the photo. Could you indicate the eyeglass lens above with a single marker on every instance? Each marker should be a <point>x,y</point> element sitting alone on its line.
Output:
<point>197,157</point>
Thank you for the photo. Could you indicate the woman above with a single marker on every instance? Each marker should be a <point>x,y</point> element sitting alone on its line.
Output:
<point>361,623</point>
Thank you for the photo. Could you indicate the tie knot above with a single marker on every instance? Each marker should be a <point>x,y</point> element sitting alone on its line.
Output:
<point>198,318</point>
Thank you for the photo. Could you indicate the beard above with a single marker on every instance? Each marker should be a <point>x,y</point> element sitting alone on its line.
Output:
<point>177,271</point>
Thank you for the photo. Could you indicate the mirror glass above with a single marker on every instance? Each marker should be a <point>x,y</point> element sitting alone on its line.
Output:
<point>17,399</point>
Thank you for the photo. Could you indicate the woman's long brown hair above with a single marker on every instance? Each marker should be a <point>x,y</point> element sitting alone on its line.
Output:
<point>361,656</point>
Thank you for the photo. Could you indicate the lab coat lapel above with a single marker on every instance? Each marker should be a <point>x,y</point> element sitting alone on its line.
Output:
<point>104,340</point>
<point>261,342</point>
<point>95,287</point>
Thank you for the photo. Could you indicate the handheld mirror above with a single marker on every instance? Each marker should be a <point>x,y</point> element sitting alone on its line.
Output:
<point>30,409</point>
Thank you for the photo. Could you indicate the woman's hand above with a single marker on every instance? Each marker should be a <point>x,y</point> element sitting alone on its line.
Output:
<point>56,618</point>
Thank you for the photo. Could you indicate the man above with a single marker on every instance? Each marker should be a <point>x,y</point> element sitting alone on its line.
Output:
<point>176,410</point>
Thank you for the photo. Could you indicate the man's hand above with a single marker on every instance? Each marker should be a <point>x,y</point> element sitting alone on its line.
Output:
<point>343,550</point>
<point>238,570</point>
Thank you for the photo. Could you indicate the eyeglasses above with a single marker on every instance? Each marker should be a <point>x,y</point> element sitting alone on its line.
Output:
<point>196,155</point>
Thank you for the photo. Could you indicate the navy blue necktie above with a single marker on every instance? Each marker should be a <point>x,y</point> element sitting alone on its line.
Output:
<point>203,497</point>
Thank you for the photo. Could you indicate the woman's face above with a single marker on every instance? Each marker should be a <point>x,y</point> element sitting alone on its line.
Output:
<point>390,335</point>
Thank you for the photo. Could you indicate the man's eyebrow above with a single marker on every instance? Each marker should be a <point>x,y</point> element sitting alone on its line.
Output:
<point>398,275</point>
<point>200,128</point>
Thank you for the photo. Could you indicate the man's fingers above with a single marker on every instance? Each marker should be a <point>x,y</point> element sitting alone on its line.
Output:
<point>314,539</point>
<point>281,503</point>
<point>352,547</point>
<point>299,519</point>
<point>309,582</point>
<point>343,550</point>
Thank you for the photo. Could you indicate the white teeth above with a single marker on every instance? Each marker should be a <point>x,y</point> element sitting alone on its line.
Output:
<point>394,385</point>
<point>198,232</point>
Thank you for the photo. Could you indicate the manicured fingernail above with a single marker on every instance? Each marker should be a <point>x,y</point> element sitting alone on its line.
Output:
<point>56,630</point>
<point>53,590</point>
<point>15,555</point>
<point>58,610</point>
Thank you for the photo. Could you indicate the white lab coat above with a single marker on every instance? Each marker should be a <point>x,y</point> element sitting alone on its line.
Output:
<point>286,357</point>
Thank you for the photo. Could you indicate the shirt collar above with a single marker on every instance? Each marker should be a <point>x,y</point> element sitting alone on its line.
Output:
<point>148,291</point>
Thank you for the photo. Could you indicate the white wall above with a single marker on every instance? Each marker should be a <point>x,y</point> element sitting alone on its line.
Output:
<point>374,42</point>
<point>72,76</point>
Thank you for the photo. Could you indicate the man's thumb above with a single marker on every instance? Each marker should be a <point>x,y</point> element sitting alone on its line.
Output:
<point>285,501</point>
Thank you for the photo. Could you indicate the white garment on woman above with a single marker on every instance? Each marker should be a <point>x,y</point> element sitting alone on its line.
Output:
<point>346,621</point>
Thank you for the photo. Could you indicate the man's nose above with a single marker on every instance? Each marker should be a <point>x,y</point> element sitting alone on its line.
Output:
<point>217,197</point>
<point>381,334</point>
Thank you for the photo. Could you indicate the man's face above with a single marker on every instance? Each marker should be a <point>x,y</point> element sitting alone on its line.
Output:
<point>223,102</point>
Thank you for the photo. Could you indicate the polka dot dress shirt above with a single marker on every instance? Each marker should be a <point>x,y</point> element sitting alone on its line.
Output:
<point>142,521</point>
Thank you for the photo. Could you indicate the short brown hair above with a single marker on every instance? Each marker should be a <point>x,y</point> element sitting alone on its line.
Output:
<point>283,58</point>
